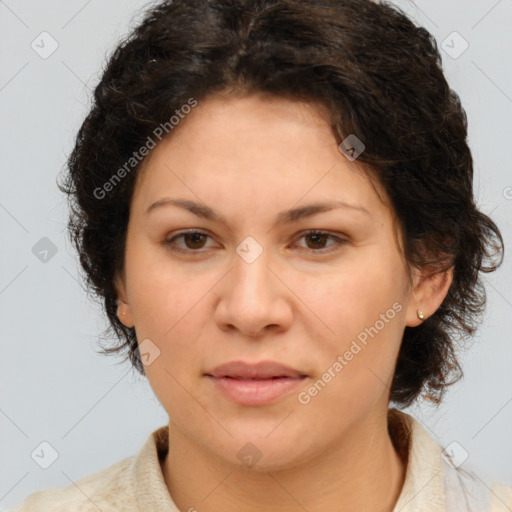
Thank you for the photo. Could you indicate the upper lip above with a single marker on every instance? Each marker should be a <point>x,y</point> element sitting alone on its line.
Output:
<point>260,370</point>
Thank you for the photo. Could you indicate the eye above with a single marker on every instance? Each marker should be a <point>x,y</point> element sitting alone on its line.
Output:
<point>318,239</point>
<point>193,240</point>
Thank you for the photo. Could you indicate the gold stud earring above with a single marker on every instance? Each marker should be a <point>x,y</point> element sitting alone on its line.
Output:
<point>421,316</point>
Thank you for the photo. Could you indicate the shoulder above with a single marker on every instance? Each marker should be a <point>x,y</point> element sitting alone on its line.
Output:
<point>501,499</point>
<point>132,484</point>
<point>467,491</point>
<point>439,480</point>
<point>108,490</point>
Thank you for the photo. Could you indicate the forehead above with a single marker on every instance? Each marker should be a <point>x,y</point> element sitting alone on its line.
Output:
<point>238,123</point>
<point>250,147</point>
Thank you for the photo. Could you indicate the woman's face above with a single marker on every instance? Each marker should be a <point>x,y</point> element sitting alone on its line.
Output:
<point>253,286</point>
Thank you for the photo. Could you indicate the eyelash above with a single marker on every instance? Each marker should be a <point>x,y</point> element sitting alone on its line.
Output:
<point>170,242</point>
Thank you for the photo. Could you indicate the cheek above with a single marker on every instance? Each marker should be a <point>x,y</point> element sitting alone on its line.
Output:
<point>356,368</point>
<point>353,298</point>
<point>364,310</point>
<point>162,294</point>
<point>175,372</point>
<point>172,310</point>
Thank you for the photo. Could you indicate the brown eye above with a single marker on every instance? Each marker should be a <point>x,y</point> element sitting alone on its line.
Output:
<point>318,241</point>
<point>192,241</point>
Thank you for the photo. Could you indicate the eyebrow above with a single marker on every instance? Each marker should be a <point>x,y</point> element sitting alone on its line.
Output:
<point>285,217</point>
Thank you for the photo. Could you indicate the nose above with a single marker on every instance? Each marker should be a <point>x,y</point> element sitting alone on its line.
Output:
<point>253,299</point>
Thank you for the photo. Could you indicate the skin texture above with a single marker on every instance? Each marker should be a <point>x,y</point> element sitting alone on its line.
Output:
<point>302,302</point>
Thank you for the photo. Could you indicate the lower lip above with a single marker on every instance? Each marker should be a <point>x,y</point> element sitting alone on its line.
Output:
<point>256,392</point>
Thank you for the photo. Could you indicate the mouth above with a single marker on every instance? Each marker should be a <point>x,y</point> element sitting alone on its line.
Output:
<point>255,384</point>
<point>264,370</point>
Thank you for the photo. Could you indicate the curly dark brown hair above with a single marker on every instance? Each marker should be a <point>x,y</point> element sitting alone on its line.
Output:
<point>380,77</point>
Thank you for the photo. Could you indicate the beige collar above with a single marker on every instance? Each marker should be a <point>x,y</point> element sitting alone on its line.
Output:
<point>423,489</point>
<point>150,488</point>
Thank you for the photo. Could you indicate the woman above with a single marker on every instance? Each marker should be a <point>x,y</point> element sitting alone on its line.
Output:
<point>274,200</point>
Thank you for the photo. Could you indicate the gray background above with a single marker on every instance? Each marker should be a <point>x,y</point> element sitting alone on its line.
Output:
<point>94,411</point>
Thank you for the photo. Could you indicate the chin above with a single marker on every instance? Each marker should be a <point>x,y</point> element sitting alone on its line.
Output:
<point>261,454</point>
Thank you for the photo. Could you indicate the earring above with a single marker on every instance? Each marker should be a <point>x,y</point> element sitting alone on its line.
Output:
<point>421,316</point>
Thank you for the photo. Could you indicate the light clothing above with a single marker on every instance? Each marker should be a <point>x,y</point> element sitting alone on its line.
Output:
<point>136,484</point>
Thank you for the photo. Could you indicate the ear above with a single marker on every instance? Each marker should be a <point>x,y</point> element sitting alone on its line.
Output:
<point>429,288</point>
<point>124,311</point>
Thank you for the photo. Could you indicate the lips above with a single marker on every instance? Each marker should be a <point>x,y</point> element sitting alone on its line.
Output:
<point>257,384</point>
<point>263,370</point>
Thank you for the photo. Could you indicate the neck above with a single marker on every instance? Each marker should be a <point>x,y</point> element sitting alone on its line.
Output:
<point>362,471</point>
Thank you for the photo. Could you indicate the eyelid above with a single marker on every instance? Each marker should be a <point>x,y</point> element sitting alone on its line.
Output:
<point>169,240</point>
<point>338,240</point>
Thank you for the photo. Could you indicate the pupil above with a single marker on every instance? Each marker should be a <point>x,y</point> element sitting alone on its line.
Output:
<point>317,239</point>
<point>193,240</point>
